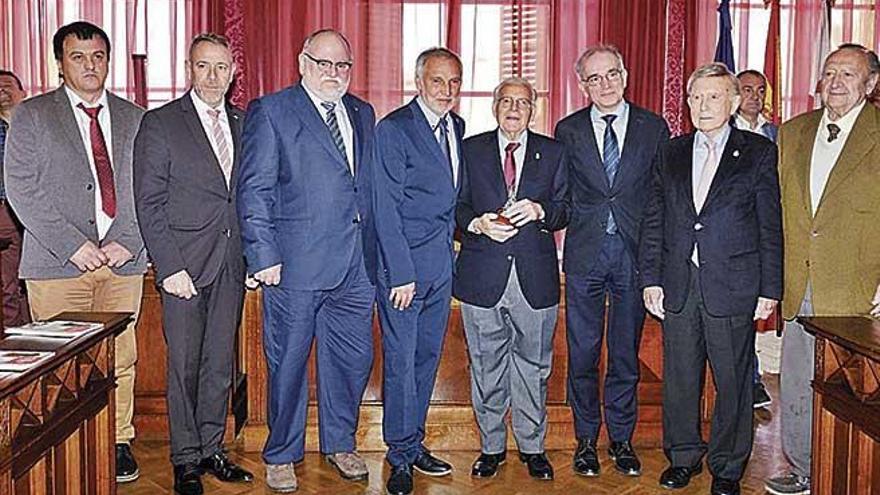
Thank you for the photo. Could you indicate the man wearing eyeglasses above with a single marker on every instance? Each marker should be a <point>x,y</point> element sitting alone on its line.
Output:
<point>610,148</point>
<point>513,198</point>
<point>304,204</point>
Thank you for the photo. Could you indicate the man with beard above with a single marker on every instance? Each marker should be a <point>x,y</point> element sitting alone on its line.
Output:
<point>306,222</point>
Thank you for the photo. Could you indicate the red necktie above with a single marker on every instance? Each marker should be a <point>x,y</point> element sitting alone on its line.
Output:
<point>102,161</point>
<point>510,166</point>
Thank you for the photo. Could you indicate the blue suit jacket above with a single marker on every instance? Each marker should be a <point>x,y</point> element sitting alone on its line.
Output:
<point>738,231</point>
<point>592,196</point>
<point>298,204</point>
<point>483,266</point>
<point>414,198</point>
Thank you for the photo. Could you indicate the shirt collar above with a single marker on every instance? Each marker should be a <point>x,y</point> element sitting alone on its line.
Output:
<point>744,124</point>
<point>521,139</point>
<point>621,110</point>
<point>316,100</point>
<point>720,140</point>
<point>75,99</point>
<point>433,118</point>
<point>204,108</point>
<point>845,123</point>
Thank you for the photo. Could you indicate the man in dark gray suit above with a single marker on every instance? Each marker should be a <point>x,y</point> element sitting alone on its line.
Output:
<point>68,178</point>
<point>185,157</point>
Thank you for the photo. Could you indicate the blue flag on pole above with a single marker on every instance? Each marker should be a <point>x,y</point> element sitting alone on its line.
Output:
<point>724,49</point>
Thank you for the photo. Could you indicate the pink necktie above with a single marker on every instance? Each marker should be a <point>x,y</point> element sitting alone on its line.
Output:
<point>222,146</point>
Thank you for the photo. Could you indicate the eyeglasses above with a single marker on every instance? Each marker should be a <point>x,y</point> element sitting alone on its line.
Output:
<point>509,102</point>
<point>325,65</point>
<point>611,77</point>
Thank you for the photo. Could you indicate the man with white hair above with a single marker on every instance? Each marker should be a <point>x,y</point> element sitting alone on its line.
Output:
<point>307,230</point>
<point>711,264</point>
<point>507,277</point>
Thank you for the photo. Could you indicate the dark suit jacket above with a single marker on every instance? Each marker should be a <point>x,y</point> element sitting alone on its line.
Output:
<point>50,185</point>
<point>738,231</point>
<point>591,196</point>
<point>483,265</point>
<point>414,198</point>
<point>186,211</point>
<point>298,202</point>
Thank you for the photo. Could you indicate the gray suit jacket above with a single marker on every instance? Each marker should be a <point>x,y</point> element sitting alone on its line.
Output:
<point>51,188</point>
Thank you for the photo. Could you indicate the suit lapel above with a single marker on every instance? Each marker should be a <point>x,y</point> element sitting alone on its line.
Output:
<point>314,122</point>
<point>69,126</point>
<point>592,152</point>
<point>627,154</point>
<point>492,160</point>
<point>727,166</point>
<point>804,150</point>
<point>200,137</point>
<point>682,172</point>
<point>353,109</point>
<point>429,141</point>
<point>531,161</point>
<point>235,129</point>
<point>860,142</point>
<point>121,131</point>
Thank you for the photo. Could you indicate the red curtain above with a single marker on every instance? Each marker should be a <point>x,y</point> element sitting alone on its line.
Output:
<point>575,27</point>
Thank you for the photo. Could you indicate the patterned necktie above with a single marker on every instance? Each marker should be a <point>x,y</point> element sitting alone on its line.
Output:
<point>223,155</point>
<point>833,132</point>
<point>333,125</point>
<point>510,167</point>
<point>102,161</point>
<point>706,175</point>
<point>610,160</point>
<point>443,125</point>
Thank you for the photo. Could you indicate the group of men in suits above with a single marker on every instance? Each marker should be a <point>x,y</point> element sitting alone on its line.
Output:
<point>330,213</point>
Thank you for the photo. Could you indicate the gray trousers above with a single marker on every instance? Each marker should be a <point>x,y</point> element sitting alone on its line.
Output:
<point>795,391</point>
<point>511,349</point>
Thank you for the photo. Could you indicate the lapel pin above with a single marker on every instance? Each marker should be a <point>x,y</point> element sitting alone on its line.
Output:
<point>537,156</point>
<point>735,153</point>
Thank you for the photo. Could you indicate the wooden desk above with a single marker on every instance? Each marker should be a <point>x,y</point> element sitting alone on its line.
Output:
<point>57,422</point>
<point>846,405</point>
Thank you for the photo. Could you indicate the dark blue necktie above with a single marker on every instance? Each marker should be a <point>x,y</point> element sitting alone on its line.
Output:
<point>443,125</point>
<point>610,160</point>
<point>333,125</point>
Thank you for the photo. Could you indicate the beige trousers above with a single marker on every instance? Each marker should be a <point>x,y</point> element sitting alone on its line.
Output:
<point>100,290</point>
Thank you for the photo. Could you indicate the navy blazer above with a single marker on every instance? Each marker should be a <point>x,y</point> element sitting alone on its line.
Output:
<point>414,198</point>
<point>298,203</point>
<point>738,231</point>
<point>483,265</point>
<point>591,195</point>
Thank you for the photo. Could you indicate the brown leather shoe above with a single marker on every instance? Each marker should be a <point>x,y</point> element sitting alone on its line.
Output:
<point>281,477</point>
<point>350,465</point>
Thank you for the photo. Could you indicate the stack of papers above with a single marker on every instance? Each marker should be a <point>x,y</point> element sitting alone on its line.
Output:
<point>21,360</point>
<point>55,329</point>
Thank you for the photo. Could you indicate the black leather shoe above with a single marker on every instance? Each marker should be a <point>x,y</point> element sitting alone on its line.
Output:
<point>225,470</point>
<point>187,480</point>
<point>400,482</point>
<point>126,467</point>
<point>625,459</point>
<point>679,477</point>
<point>428,464</point>
<point>539,466</point>
<point>721,486</point>
<point>586,459</point>
<point>486,465</point>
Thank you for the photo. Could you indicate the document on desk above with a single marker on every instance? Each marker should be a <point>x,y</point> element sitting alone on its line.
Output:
<point>63,329</point>
<point>21,360</point>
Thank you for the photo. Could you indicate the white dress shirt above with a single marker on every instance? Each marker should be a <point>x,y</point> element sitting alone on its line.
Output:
<point>519,155</point>
<point>84,122</point>
<point>619,126</point>
<point>345,127</point>
<point>825,154</point>
<point>433,122</point>
<point>207,121</point>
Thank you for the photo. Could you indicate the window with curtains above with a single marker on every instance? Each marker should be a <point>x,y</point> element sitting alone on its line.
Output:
<point>156,29</point>
<point>498,39</point>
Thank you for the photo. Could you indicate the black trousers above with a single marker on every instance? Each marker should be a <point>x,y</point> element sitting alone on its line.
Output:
<point>690,337</point>
<point>200,336</point>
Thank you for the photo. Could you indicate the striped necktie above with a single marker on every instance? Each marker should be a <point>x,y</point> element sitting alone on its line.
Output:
<point>610,161</point>
<point>333,125</point>
<point>223,154</point>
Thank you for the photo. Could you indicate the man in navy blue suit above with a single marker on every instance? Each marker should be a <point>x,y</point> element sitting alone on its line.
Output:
<point>711,263</point>
<point>304,203</point>
<point>610,147</point>
<point>507,276</point>
<point>418,158</point>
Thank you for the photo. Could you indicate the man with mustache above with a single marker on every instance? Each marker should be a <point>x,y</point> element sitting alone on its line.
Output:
<point>14,303</point>
<point>185,164</point>
<point>418,175</point>
<point>507,276</point>
<point>829,164</point>
<point>68,178</point>
<point>710,261</point>
<point>304,205</point>
<point>610,148</point>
